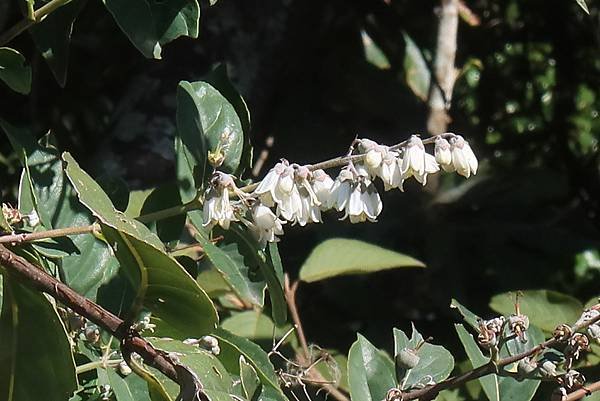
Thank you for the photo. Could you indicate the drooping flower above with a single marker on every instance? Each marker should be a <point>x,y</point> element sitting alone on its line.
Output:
<point>322,184</point>
<point>355,194</point>
<point>374,155</point>
<point>217,207</point>
<point>279,188</point>
<point>265,225</point>
<point>443,154</point>
<point>389,171</point>
<point>416,162</point>
<point>309,211</point>
<point>463,158</point>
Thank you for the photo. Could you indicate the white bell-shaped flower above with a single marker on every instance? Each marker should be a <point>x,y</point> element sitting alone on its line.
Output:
<point>374,155</point>
<point>322,185</point>
<point>341,189</point>
<point>356,195</point>
<point>276,181</point>
<point>309,211</point>
<point>265,225</point>
<point>443,154</point>
<point>389,171</point>
<point>463,158</point>
<point>217,207</point>
<point>416,162</point>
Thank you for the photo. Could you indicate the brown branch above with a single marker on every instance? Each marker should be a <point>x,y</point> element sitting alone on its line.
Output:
<point>582,392</point>
<point>131,341</point>
<point>431,391</point>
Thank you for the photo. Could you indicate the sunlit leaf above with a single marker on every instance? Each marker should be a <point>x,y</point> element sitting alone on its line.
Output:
<point>416,71</point>
<point>373,54</point>
<point>370,372</point>
<point>340,256</point>
<point>583,5</point>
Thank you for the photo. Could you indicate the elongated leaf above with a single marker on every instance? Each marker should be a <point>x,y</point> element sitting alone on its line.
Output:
<point>416,71</point>
<point>249,378</point>
<point>232,347</point>
<point>129,388</point>
<point>583,6</point>
<point>228,260</point>
<point>373,54</point>
<point>45,189</point>
<point>150,25</point>
<point>52,37</point>
<point>254,325</point>
<point>496,388</point>
<point>13,70</point>
<point>370,372</point>
<point>180,308</point>
<point>206,122</point>
<point>470,318</point>
<point>435,361</point>
<point>341,256</point>
<point>33,344</point>
<point>545,309</point>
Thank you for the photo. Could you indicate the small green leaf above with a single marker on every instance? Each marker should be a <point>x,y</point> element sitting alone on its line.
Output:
<point>340,256</point>
<point>416,71</point>
<point>470,318</point>
<point>233,346</point>
<point>370,372</point>
<point>52,37</point>
<point>206,122</point>
<point>373,54</point>
<point>150,25</point>
<point>13,70</point>
<point>254,325</point>
<point>583,5</point>
<point>545,309</point>
<point>33,345</point>
<point>435,361</point>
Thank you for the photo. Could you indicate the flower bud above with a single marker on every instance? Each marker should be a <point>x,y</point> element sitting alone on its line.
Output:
<point>124,369</point>
<point>407,358</point>
<point>443,155</point>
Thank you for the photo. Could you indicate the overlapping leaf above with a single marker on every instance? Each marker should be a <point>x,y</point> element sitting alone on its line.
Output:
<point>370,372</point>
<point>13,70</point>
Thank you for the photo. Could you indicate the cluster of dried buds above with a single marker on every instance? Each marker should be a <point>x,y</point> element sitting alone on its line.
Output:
<point>13,216</point>
<point>291,193</point>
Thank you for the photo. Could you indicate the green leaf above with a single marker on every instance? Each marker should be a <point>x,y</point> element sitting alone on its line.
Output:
<point>470,318</point>
<point>206,366</point>
<point>180,308</point>
<point>219,79</point>
<point>254,325</point>
<point>435,361</point>
<point>232,347</point>
<point>13,70</point>
<point>150,25</point>
<point>52,37</point>
<point>33,345</point>
<point>370,372</point>
<point>416,71</point>
<point>545,309</point>
<point>270,268</point>
<point>340,256</point>
<point>163,197</point>
<point>129,388</point>
<point>249,378</point>
<point>43,183</point>
<point>373,54</point>
<point>583,5</point>
<point>496,388</point>
<point>515,346</point>
<point>229,261</point>
<point>206,121</point>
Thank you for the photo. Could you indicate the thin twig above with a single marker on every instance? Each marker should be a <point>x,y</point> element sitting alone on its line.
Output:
<point>131,341</point>
<point>582,392</point>
<point>14,239</point>
<point>489,368</point>
<point>27,22</point>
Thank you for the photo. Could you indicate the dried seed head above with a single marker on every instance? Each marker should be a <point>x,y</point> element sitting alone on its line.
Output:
<point>562,332</point>
<point>548,369</point>
<point>526,366</point>
<point>394,394</point>
<point>518,324</point>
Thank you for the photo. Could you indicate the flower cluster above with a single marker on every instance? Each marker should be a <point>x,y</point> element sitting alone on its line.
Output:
<point>295,194</point>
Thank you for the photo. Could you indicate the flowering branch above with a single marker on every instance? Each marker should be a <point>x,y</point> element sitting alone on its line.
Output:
<point>492,367</point>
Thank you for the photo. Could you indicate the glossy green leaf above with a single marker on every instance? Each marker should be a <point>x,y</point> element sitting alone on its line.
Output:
<point>45,189</point>
<point>435,361</point>
<point>180,308</point>
<point>470,318</point>
<point>150,25</point>
<point>206,366</point>
<point>370,372</point>
<point>373,54</point>
<point>496,388</point>
<point>228,260</point>
<point>13,70</point>
<point>206,122</point>
<point>545,309</point>
<point>583,6</point>
<point>341,256</point>
<point>416,71</point>
<point>128,388</point>
<point>33,344</point>
<point>232,347</point>
<point>254,325</point>
<point>52,37</point>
